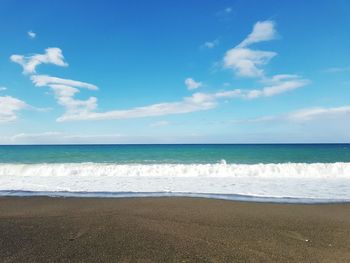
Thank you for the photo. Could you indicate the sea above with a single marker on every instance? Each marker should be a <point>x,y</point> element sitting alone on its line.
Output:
<point>284,173</point>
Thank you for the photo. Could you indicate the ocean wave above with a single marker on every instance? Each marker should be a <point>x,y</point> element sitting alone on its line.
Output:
<point>327,181</point>
<point>221,169</point>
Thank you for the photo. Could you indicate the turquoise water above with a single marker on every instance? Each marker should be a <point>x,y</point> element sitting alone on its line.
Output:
<point>177,154</point>
<point>304,173</point>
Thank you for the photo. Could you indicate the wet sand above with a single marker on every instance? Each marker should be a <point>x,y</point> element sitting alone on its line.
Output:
<point>41,229</point>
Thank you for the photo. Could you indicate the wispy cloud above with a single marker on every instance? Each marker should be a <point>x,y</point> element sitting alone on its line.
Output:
<point>191,84</point>
<point>79,110</point>
<point>314,113</point>
<point>243,60</point>
<point>29,64</point>
<point>2,88</point>
<point>225,12</point>
<point>278,84</point>
<point>246,62</point>
<point>210,44</point>
<point>262,31</point>
<point>159,124</point>
<point>65,90</point>
<point>53,137</point>
<point>303,115</point>
<point>337,69</point>
<point>197,102</point>
<point>31,34</point>
<point>86,109</point>
<point>45,80</point>
<point>9,108</point>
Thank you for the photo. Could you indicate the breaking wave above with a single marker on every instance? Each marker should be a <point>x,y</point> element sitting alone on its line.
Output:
<point>313,170</point>
<point>326,181</point>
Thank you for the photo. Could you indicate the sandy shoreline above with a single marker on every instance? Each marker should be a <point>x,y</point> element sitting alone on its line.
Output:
<point>175,229</point>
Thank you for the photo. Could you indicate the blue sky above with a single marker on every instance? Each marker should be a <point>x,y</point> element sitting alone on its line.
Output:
<point>174,71</point>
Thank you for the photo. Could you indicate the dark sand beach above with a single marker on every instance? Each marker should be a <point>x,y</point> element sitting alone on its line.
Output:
<point>40,229</point>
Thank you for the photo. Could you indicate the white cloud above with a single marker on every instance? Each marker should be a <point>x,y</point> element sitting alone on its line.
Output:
<point>9,108</point>
<point>86,109</point>
<point>65,90</point>
<point>279,77</point>
<point>304,115</point>
<point>236,93</point>
<point>31,34</point>
<point>191,84</point>
<point>210,44</point>
<point>279,84</point>
<point>2,88</point>
<point>247,62</point>
<point>314,113</point>
<point>29,64</point>
<point>338,69</point>
<point>45,80</point>
<point>197,102</point>
<point>65,97</point>
<point>29,136</point>
<point>53,137</point>
<point>262,31</point>
<point>225,14</point>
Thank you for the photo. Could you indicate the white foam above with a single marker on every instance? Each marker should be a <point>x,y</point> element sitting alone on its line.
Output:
<point>300,180</point>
